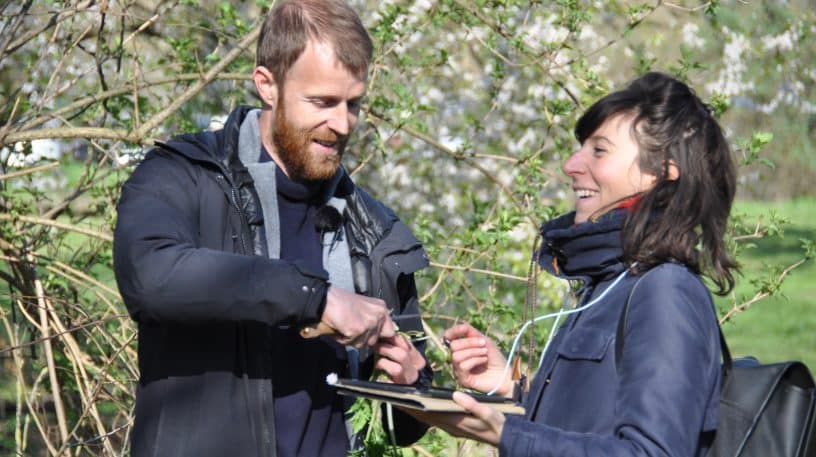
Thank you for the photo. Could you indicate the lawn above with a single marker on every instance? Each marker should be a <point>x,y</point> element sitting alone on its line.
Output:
<point>781,327</point>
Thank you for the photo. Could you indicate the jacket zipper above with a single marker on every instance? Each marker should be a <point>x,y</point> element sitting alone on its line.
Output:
<point>266,440</point>
<point>234,202</point>
<point>234,194</point>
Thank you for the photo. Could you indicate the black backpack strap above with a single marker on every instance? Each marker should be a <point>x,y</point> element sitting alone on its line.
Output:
<point>726,353</point>
<point>622,326</point>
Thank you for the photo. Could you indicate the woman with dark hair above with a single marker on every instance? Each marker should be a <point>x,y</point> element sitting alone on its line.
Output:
<point>654,181</point>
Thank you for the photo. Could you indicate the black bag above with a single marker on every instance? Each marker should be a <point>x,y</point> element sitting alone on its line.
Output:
<point>765,410</point>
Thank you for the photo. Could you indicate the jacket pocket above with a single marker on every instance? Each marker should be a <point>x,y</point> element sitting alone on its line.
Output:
<point>585,344</point>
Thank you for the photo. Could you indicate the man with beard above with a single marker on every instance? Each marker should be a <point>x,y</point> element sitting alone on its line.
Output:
<point>255,267</point>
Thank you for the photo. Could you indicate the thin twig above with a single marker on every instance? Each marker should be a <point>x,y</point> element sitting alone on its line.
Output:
<point>101,96</point>
<point>71,132</point>
<point>22,307</point>
<point>687,9</point>
<point>79,358</point>
<point>478,270</point>
<point>56,392</point>
<point>82,276</point>
<point>759,232</point>
<point>52,336</point>
<point>52,223</point>
<point>759,296</point>
<point>432,336</point>
<point>55,19</point>
<point>28,171</point>
<point>208,77</point>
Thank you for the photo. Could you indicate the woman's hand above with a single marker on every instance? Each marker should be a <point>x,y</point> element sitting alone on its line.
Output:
<point>480,422</point>
<point>477,362</point>
<point>399,359</point>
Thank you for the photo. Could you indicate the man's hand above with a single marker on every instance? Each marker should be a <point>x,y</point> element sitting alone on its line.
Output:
<point>477,362</point>
<point>399,359</point>
<point>356,319</point>
<point>480,422</point>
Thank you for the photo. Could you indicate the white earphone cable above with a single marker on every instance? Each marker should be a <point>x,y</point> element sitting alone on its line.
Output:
<point>557,315</point>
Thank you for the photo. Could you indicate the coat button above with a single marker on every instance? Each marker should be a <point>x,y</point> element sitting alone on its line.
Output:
<point>305,288</point>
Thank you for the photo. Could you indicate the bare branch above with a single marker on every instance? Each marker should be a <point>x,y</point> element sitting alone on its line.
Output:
<point>687,9</point>
<point>71,132</point>
<point>478,270</point>
<point>29,171</point>
<point>208,77</point>
<point>94,323</point>
<point>73,228</point>
<point>101,96</point>
<point>15,24</point>
<point>56,392</point>
<point>55,19</point>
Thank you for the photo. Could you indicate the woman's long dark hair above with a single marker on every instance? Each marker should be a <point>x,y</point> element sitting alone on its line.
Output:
<point>683,219</point>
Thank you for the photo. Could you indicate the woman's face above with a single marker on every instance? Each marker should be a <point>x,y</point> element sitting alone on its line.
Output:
<point>605,169</point>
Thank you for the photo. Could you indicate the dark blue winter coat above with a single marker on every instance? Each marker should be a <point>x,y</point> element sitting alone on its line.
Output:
<point>662,398</point>
<point>192,266</point>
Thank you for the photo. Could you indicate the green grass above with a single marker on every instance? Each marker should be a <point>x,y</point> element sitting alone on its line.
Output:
<point>783,326</point>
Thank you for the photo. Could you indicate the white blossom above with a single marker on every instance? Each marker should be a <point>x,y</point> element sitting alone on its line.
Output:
<point>730,80</point>
<point>783,42</point>
<point>691,36</point>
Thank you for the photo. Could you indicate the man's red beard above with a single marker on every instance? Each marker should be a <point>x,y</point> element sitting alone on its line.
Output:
<point>292,145</point>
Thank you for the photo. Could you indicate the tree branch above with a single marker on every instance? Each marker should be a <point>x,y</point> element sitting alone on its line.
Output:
<point>55,19</point>
<point>478,270</point>
<point>760,295</point>
<point>71,132</point>
<point>56,392</point>
<point>28,171</point>
<point>52,223</point>
<point>101,96</point>
<point>208,77</point>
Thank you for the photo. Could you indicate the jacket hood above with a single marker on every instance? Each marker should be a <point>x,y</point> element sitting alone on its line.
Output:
<point>591,250</point>
<point>219,146</point>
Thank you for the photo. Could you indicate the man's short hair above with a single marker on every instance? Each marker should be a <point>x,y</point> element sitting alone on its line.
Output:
<point>292,23</point>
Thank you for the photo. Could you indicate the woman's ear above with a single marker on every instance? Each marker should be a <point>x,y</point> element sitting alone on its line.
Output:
<point>266,86</point>
<point>672,170</point>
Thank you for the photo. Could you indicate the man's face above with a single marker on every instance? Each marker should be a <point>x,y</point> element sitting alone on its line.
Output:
<point>318,106</point>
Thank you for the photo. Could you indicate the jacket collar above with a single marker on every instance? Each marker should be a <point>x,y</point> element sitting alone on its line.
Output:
<point>590,251</point>
<point>218,147</point>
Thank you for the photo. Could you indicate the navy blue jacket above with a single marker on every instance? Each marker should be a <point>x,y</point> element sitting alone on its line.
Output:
<point>191,264</point>
<point>663,397</point>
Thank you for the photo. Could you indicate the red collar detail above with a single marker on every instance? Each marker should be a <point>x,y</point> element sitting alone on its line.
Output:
<point>630,203</point>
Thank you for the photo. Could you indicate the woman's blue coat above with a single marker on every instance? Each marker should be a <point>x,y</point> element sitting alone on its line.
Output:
<point>662,398</point>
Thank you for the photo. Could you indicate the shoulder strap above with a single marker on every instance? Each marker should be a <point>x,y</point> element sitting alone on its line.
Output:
<point>619,336</point>
<point>622,327</point>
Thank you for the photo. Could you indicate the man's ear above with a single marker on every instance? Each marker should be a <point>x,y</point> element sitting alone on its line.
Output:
<point>266,86</point>
<point>672,170</point>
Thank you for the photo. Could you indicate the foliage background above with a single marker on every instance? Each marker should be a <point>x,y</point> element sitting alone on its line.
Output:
<point>469,116</point>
